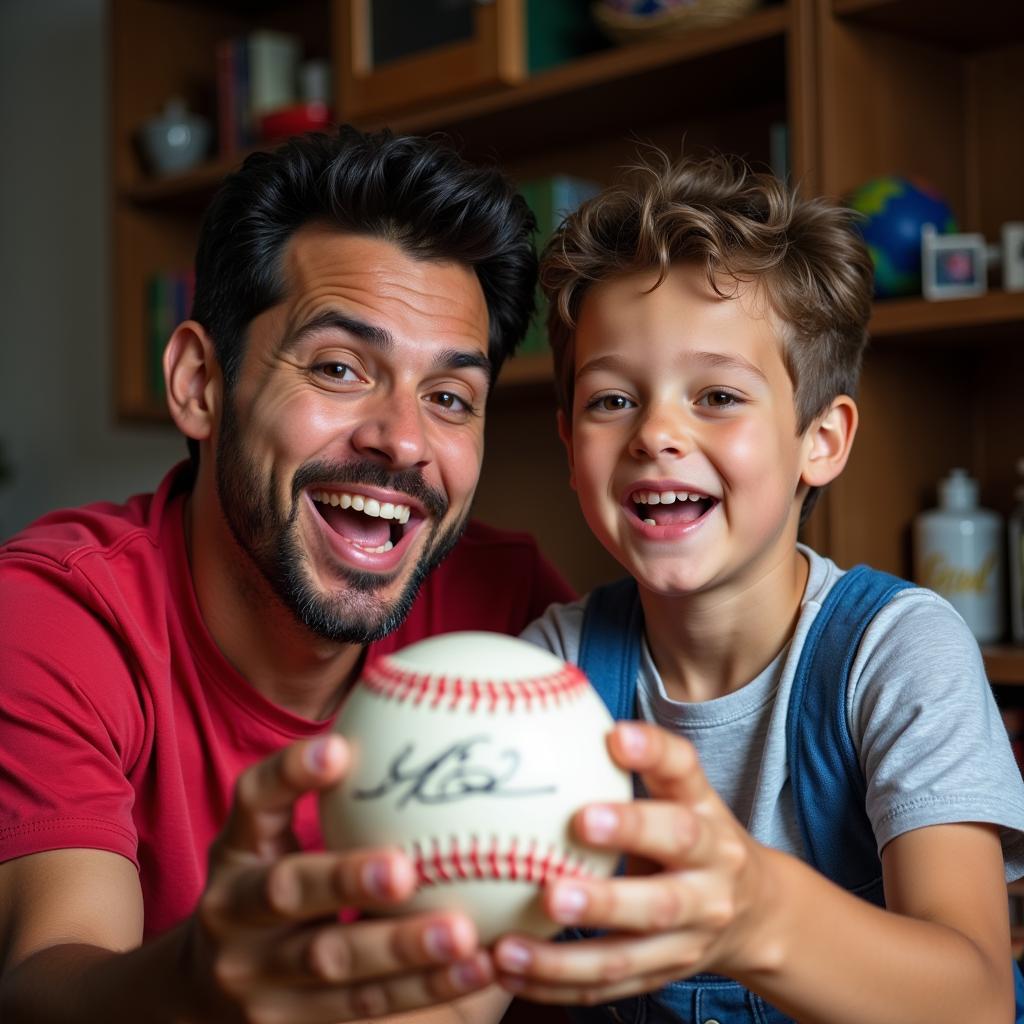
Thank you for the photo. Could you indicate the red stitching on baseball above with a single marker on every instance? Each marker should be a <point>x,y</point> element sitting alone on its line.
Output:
<point>509,864</point>
<point>394,682</point>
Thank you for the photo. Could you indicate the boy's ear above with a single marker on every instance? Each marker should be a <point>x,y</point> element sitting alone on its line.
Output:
<point>565,433</point>
<point>828,442</point>
<point>193,380</point>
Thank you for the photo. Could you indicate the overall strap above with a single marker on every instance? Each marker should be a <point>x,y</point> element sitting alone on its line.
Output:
<point>827,783</point>
<point>610,644</point>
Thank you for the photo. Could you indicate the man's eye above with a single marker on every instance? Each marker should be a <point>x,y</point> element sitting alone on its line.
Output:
<point>337,371</point>
<point>450,401</point>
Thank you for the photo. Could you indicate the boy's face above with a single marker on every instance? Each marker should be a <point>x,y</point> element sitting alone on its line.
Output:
<point>683,442</point>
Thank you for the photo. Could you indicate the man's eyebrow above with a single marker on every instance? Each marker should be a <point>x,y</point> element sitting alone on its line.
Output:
<point>447,359</point>
<point>334,320</point>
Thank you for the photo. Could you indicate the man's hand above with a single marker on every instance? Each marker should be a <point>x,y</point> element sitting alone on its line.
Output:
<point>266,942</point>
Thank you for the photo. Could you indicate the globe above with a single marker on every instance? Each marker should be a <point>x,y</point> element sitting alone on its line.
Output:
<point>894,211</point>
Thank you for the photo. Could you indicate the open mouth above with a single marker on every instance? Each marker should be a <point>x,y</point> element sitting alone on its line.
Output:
<point>371,525</point>
<point>670,508</point>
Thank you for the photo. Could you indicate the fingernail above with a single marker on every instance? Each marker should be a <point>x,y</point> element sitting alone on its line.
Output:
<point>316,754</point>
<point>568,902</point>
<point>513,956</point>
<point>376,877</point>
<point>439,942</point>
<point>600,823</point>
<point>632,739</point>
<point>468,974</point>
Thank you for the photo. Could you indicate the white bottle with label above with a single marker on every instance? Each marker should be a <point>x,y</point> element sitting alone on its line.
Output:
<point>1015,535</point>
<point>958,552</point>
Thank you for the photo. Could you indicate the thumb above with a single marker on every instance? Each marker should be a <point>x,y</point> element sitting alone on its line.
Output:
<point>260,819</point>
<point>668,764</point>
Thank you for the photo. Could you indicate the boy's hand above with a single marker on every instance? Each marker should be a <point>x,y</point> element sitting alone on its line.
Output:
<point>693,914</point>
<point>266,943</point>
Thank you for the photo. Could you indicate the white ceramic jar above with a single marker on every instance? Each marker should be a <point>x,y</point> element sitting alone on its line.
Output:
<point>958,552</point>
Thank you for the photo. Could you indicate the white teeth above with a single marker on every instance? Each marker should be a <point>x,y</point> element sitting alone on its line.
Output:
<point>663,497</point>
<point>650,522</point>
<point>368,506</point>
<point>386,546</point>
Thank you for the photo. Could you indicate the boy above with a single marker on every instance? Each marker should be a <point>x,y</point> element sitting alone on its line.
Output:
<point>708,328</point>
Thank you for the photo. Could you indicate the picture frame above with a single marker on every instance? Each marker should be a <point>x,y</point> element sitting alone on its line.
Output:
<point>441,49</point>
<point>953,266</point>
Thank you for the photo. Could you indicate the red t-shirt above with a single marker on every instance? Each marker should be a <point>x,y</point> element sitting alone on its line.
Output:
<point>123,727</point>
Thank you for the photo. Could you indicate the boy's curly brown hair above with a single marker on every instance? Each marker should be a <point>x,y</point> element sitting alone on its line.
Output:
<point>718,213</point>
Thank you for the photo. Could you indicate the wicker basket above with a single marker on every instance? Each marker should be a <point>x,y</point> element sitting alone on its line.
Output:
<point>630,28</point>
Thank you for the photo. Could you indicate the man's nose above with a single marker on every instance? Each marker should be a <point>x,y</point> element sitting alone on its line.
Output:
<point>661,430</point>
<point>392,430</point>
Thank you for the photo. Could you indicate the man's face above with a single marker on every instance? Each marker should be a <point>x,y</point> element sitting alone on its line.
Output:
<point>684,441</point>
<point>350,446</point>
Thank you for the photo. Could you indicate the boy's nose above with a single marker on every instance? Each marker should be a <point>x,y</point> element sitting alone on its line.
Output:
<point>660,432</point>
<point>392,431</point>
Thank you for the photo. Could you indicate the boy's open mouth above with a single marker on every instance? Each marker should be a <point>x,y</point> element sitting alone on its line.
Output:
<point>670,508</point>
<point>372,525</point>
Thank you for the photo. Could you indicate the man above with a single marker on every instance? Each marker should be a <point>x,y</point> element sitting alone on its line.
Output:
<point>168,667</point>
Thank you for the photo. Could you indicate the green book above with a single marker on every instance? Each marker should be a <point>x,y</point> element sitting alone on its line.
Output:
<point>552,199</point>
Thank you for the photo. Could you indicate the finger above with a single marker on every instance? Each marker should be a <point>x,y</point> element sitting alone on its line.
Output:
<point>606,967</point>
<point>336,953</point>
<point>668,833</point>
<point>654,903</point>
<point>392,995</point>
<point>667,763</point>
<point>305,886</point>
<point>259,821</point>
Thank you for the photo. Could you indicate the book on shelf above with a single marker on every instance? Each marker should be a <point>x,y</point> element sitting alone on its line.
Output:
<point>256,73</point>
<point>168,301</point>
<point>552,199</point>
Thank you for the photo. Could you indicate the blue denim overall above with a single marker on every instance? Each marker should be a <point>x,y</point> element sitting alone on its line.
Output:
<point>824,774</point>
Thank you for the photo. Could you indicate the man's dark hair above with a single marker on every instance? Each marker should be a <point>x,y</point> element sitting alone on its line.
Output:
<point>417,193</point>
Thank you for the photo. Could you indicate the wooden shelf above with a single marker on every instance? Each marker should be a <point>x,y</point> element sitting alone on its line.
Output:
<point>632,85</point>
<point>533,368</point>
<point>198,182</point>
<point>1004,664</point>
<point>919,319</point>
<point>628,85</point>
<point>946,22</point>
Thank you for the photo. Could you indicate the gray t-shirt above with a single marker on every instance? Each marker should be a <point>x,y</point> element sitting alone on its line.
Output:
<point>927,730</point>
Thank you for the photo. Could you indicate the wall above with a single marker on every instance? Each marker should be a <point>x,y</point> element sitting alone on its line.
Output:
<point>56,428</point>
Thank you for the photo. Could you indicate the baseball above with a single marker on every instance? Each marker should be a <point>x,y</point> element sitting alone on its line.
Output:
<point>471,751</point>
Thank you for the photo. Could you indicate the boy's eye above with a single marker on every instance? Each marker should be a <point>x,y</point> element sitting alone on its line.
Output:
<point>610,403</point>
<point>719,399</point>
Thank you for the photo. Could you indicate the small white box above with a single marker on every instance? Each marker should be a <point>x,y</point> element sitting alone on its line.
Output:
<point>952,266</point>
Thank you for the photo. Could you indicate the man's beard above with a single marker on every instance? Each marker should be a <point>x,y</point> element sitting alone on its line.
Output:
<point>356,614</point>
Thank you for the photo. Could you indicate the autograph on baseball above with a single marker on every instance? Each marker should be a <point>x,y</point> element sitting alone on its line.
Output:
<point>469,767</point>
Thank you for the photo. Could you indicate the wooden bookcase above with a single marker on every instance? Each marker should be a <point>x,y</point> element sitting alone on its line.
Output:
<point>866,87</point>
